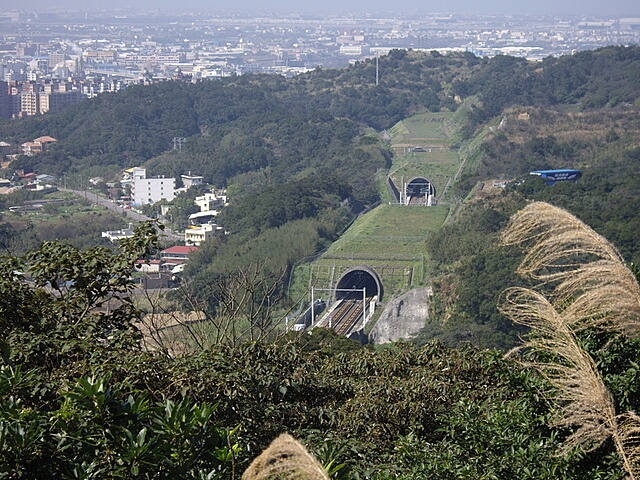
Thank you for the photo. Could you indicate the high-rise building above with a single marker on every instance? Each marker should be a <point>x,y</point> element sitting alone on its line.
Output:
<point>56,101</point>
<point>30,103</point>
<point>5,100</point>
<point>56,58</point>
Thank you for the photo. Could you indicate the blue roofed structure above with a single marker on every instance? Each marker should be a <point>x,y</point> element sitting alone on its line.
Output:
<point>562,175</point>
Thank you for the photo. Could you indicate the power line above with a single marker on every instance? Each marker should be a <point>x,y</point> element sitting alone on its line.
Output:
<point>177,143</point>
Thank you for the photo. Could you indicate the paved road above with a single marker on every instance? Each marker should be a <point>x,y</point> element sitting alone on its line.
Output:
<point>108,204</point>
<point>114,207</point>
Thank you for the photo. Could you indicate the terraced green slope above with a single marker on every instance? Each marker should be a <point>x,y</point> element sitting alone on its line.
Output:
<point>391,238</point>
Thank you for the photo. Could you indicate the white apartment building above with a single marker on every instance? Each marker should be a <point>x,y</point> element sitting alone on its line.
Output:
<point>192,180</point>
<point>146,191</point>
<point>354,50</point>
<point>209,201</point>
<point>116,235</point>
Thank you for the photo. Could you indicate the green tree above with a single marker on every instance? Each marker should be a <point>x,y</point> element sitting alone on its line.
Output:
<point>60,304</point>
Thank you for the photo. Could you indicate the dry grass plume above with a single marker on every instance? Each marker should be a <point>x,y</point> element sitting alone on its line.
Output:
<point>589,277</point>
<point>285,459</point>
<point>585,284</point>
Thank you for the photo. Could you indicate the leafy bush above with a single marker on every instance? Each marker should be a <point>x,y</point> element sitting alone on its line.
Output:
<point>93,430</point>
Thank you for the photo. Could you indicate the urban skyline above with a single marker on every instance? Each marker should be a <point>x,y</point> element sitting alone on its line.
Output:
<point>49,60</point>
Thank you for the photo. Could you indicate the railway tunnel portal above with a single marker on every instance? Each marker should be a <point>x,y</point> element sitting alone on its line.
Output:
<point>354,280</point>
<point>354,298</point>
<point>419,191</point>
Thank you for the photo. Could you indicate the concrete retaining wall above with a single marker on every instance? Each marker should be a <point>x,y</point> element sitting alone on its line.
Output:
<point>403,317</point>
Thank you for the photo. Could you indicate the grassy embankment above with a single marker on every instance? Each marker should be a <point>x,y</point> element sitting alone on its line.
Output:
<point>391,237</point>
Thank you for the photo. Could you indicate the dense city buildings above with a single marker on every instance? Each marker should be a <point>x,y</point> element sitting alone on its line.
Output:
<point>53,59</point>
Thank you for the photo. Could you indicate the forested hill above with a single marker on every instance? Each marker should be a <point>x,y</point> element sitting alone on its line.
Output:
<point>607,77</point>
<point>314,122</point>
<point>81,398</point>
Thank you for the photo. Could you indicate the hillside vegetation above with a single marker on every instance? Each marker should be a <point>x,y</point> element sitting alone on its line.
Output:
<point>293,150</point>
<point>472,268</point>
<point>81,398</point>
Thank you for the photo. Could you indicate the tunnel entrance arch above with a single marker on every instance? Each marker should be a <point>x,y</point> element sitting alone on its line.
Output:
<point>352,281</point>
<point>419,191</point>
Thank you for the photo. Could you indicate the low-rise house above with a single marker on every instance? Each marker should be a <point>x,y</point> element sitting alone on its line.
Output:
<point>39,145</point>
<point>198,235</point>
<point>148,266</point>
<point>5,148</point>
<point>200,218</point>
<point>116,235</point>
<point>176,255</point>
<point>211,200</point>
<point>191,180</point>
<point>44,179</point>
<point>31,148</point>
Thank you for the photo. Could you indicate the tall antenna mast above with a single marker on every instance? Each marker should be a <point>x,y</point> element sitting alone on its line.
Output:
<point>377,70</point>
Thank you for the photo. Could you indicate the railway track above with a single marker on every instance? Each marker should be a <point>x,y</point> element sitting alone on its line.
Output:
<point>416,200</point>
<point>347,315</point>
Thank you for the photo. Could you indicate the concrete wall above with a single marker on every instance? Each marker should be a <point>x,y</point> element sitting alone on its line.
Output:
<point>403,317</point>
<point>393,189</point>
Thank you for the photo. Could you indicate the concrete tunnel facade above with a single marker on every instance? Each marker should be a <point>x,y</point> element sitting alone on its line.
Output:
<point>354,280</point>
<point>420,187</point>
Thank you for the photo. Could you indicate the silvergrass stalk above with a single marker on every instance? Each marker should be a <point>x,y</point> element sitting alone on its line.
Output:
<point>583,283</point>
<point>285,459</point>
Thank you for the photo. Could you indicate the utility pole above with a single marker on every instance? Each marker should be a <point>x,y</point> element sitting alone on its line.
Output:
<point>364,306</point>
<point>313,316</point>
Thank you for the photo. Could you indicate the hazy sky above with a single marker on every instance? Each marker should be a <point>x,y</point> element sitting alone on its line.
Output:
<point>579,7</point>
